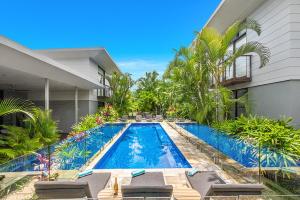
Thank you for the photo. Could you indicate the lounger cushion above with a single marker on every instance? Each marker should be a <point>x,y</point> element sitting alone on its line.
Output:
<point>149,179</point>
<point>202,181</point>
<point>96,181</point>
<point>150,184</point>
<point>88,186</point>
<point>235,189</point>
<point>147,191</point>
<point>62,189</point>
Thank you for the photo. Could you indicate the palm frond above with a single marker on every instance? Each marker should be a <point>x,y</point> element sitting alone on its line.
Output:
<point>250,24</point>
<point>12,105</point>
<point>254,47</point>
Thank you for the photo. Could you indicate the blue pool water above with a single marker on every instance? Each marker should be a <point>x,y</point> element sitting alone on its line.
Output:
<point>76,154</point>
<point>245,153</point>
<point>143,146</point>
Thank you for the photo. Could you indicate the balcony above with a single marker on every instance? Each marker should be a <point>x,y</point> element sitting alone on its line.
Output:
<point>106,92</point>
<point>239,72</point>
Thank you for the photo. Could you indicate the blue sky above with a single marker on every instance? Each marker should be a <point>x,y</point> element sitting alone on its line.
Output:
<point>140,35</point>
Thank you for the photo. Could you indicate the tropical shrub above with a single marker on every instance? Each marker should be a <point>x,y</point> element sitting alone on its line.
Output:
<point>45,128</point>
<point>38,131</point>
<point>108,113</point>
<point>276,135</point>
<point>17,142</point>
<point>171,112</point>
<point>87,122</point>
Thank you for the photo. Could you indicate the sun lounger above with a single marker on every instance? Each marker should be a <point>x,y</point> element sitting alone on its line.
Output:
<point>210,184</point>
<point>138,118</point>
<point>159,118</point>
<point>170,119</point>
<point>88,186</point>
<point>124,118</point>
<point>148,118</point>
<point>181,120</point>
<point>150,184</point>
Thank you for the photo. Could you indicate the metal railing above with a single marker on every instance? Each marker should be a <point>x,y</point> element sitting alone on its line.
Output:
<point>27,196</point>
<point>239,71</point>
<point>92,141</point>
<point>104,92</point>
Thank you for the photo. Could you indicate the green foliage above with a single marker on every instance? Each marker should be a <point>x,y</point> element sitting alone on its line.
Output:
<point>276,135</point>
<point>10,106</point>
<point>108,113</point>
<point>39,131</point>
<point>153,94</point>
<point>105,114</point>
<point>17,142</point>
<point>87,122</point>
<point>120,85</point>
<point>196,73</point>
<point>44,126</point>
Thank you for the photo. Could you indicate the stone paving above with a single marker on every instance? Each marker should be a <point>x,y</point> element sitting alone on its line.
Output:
<point>175,177</point>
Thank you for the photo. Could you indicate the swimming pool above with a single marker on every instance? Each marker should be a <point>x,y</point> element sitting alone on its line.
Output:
<point>244,153</point>
<point>74,156</point>
<point>143,145</point>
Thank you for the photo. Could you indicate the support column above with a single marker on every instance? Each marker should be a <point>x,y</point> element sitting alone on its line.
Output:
<point>76,104</point>
<point>46,94</point>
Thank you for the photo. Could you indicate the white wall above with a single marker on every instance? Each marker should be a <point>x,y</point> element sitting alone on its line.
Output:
<point>280,21</point>
<point>59,95</point>
<point>81,65</point>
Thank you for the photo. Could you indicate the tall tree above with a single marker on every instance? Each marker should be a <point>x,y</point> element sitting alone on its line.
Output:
<point>198,70</point>
<point>120,85</point>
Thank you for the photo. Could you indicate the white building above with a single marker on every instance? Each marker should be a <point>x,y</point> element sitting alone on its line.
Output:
<point>274,90</point>
<point>71,82</point>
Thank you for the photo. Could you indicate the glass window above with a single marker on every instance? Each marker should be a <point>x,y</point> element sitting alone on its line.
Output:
<point>242,66</point>
<point>240,42</point>
<point>101,75</point>
<point>238,108</point>
<point>229,72</point>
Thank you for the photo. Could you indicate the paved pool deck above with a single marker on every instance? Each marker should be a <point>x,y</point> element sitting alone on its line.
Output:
<point>175,177</point>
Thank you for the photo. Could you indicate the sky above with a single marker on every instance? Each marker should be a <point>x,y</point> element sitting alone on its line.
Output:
<point>140,35</point>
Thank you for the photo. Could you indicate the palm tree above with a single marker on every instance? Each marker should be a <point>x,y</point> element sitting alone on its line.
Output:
<point>10,106</point>
<point>202,66</point>
<point>149,82</point>
<point>120,85</point>
<point>45,128</point>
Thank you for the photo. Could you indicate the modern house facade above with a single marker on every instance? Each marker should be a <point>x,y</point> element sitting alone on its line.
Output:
<point>273,90</point>
<point>70,82</point>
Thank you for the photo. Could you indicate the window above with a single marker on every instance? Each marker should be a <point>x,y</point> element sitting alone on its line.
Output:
<point>238,108</point>
<point>241,66</point>
<point>239,42</point>
<point>101,74</point>
<point>229,69</point>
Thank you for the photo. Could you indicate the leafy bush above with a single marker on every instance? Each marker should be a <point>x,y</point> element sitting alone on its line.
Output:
<point>17,142</point>
<point>87,122</point>
<point>108,113</point>
<point>39,131</point>
<point>276,135</point>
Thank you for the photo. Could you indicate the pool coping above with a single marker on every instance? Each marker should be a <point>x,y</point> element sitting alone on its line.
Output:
<point>101,152</point>
<point>227,162</point>
<point>210,151</point>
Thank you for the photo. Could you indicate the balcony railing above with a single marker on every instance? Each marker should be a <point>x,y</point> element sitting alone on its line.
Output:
<point>239,72</point>
<point>104,92</point>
